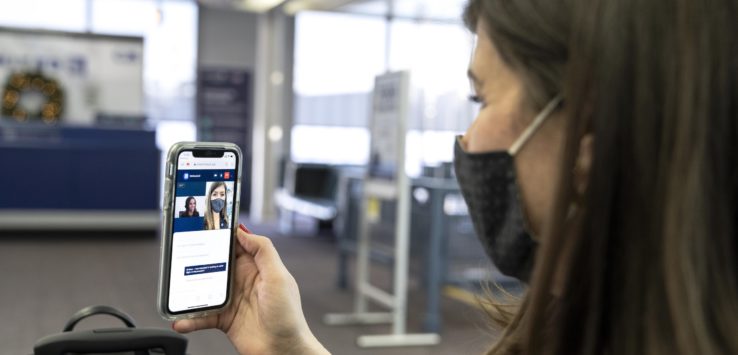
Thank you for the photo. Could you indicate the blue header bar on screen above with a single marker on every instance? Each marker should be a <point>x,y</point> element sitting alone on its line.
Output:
<point>205,175</point>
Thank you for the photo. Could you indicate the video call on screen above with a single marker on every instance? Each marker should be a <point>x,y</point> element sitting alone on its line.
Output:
<point>192,202</point>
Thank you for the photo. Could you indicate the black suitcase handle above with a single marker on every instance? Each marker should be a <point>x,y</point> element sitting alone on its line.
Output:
<point>94,310</point>
<point>110,340</point>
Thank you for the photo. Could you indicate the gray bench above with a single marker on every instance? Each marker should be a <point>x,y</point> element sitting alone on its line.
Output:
<point>308,190</point>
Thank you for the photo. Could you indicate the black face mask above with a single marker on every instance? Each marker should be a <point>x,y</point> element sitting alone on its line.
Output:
<point>489,185</point>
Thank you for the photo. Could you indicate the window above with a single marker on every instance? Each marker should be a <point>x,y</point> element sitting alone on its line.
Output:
<point>437,55</point>
<point>337,53</point>
<point>337,57</point>
<point>169,29</point>
<point>67,15</point>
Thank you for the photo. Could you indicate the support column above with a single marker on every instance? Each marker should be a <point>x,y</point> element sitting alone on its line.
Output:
<point>272,109</point>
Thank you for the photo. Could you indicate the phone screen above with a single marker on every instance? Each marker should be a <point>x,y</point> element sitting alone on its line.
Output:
<point>205,191</point>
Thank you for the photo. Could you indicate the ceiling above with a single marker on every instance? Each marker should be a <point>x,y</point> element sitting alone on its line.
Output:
<point>438,10</point>
<point>429,10</point>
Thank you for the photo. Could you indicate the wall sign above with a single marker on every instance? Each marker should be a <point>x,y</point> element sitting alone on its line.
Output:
<point>224,114</point>
<point>388,126</point>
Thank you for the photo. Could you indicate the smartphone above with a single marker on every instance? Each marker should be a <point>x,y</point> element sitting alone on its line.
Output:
<point>201,202</point>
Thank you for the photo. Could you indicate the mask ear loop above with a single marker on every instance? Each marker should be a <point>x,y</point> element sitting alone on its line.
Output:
<point>537,122</point>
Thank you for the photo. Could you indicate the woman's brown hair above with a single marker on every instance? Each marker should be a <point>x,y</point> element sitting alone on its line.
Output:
<point>648,263</point>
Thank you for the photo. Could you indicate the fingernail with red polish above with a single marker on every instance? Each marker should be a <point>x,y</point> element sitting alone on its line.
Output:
<point>243,228</point>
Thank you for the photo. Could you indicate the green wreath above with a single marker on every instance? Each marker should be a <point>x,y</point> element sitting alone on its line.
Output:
<point>29,83</point>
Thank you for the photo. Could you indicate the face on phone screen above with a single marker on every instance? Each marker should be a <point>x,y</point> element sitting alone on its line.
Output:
<point>205,190</point>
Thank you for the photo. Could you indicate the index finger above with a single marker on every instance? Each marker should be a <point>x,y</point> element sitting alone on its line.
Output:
<point>239,249</point>
<point>263,251</point>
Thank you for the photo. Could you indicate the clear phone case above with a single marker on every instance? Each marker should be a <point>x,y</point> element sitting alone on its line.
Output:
<point>168,218</point>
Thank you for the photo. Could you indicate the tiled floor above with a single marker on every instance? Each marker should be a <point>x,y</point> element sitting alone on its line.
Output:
<point>46,278</point>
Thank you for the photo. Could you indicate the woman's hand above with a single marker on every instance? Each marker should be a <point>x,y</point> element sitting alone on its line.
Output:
<point>265,315</point>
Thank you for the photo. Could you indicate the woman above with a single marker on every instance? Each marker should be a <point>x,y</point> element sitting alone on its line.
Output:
<point>216,216</point>
<point>190,208</point>
<point>602,168</point>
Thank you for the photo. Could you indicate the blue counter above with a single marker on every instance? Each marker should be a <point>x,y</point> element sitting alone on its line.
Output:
<point>54,168</point>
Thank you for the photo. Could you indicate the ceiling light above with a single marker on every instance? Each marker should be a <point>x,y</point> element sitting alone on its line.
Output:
<point>296,6</point>
<point>259,5</point>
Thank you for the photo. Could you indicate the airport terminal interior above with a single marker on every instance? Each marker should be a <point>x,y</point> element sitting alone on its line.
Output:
<point>345,113</point>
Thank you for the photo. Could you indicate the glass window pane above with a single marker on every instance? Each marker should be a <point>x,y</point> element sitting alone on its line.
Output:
<point>67,15</point>
<point>124,17</point>
<point>337,53</point>
<point>170,62</point>
<point>334,77</point>
<point>353,143</point>
<point>437,56</point>
<point>337,57</point>
<point>169,29</point>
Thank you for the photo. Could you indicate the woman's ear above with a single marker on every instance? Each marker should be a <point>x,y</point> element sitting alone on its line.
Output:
<point>583,164</point>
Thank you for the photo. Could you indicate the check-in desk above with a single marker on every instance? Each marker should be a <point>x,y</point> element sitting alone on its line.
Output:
<point>78,178</point>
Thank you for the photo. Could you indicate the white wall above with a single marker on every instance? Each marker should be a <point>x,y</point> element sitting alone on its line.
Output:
<point>227,38</point>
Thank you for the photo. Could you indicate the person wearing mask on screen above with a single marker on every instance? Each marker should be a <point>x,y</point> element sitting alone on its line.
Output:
<point>190,208</point>
<point>216,216</point>
<point>601,170</point>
